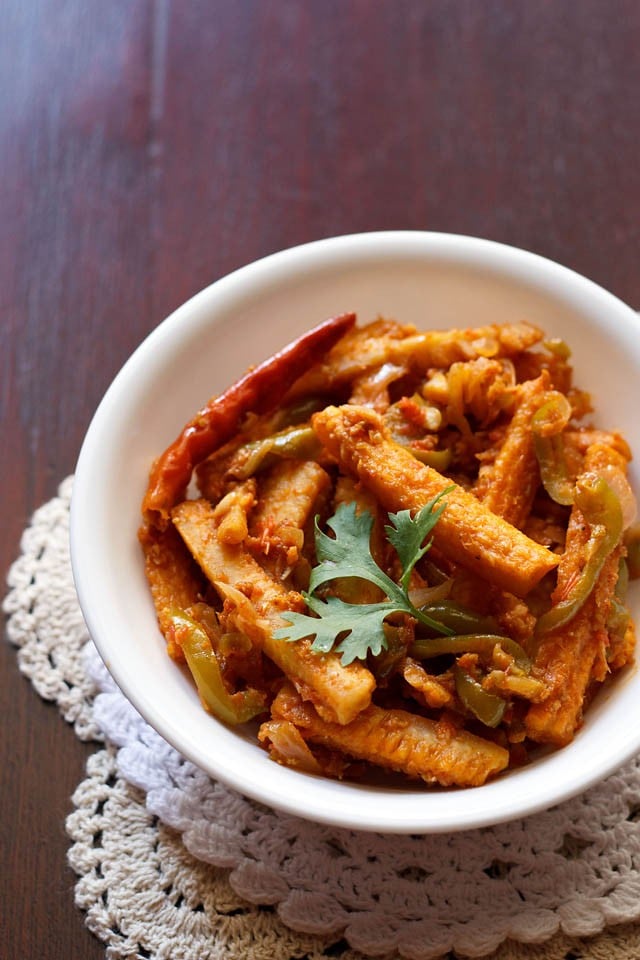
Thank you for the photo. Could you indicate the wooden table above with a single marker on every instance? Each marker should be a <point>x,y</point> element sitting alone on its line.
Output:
<point>148,147</point>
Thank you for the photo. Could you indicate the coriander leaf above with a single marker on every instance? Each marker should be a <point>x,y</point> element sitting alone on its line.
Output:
<point>357,629</point>
<point>348,554</point>
<point>407,534</point>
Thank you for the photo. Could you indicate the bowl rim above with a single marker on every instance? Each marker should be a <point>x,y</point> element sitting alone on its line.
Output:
<point>266,273</point>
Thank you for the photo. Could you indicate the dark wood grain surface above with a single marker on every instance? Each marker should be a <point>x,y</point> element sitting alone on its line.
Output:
<point>147,147</point>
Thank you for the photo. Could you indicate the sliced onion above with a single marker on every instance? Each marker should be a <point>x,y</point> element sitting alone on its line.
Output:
<point>387,373</point>
<point>288,746</point>
<point>419,596</point>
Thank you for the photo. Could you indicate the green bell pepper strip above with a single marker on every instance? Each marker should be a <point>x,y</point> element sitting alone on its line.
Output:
<point>425,649</point>
<point>458,618</point>
<point>294,443</point>
<point>301,443</point>
<point>632,543</point>
<point>231,708</point>
<point>436,459</point>
<point>300,412</point>
<point>547,424</point>
<point>601,510</point>
<point>619,616</point>
<point>487,707</point>
<point>618,619</point>
<point>622,583</point>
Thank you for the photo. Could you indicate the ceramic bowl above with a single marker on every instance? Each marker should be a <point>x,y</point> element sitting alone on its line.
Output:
<point>430,280</point>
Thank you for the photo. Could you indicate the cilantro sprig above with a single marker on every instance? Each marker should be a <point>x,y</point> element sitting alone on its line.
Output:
<point>356,629</point>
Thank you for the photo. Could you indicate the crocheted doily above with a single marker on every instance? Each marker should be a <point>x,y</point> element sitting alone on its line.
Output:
<point>173,864</point>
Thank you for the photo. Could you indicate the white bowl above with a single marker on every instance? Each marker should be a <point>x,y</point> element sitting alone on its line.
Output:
<point>431,280</point>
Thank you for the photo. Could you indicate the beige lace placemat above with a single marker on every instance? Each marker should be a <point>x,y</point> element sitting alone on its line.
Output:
<point>173,865</point>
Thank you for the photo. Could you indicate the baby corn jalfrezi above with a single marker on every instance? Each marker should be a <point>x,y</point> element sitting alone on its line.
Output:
<point>408,550</point>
